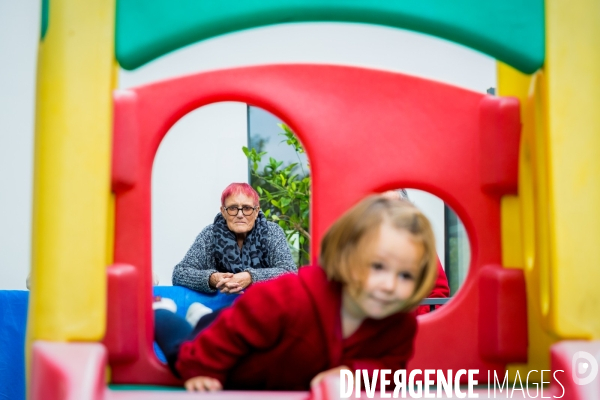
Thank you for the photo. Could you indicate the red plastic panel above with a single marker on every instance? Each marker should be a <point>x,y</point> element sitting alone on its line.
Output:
<point>67,371</point>
<point>500,124</point>
<point>122,313</point>
<point>125,142</point>
<point>364,131</point>
<point>502,314</point>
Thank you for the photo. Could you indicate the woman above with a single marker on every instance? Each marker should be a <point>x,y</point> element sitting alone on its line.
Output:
<point>239,248</point>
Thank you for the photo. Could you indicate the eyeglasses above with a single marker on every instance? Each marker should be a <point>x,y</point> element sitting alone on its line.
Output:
<point>246,210</point>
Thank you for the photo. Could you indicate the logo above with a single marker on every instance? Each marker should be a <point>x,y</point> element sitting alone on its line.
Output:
<point>584,367</point>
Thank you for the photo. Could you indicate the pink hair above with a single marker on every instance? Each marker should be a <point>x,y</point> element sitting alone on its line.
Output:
<point>239,188</point>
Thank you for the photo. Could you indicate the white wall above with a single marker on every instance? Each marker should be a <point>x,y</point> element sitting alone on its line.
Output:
<point>178,163</point>
<point>433,208</point>
<point>19,36</point>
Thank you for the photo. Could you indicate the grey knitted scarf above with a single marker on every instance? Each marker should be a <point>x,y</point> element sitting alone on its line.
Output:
<point>254,253</point>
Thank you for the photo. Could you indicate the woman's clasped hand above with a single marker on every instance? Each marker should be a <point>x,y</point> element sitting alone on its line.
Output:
<point>229,283</point>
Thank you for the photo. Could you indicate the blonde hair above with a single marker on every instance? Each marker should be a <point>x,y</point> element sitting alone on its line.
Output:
<point>347,246</point>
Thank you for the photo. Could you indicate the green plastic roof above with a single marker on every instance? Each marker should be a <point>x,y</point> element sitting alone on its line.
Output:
<point>45,11</point>
<point>512,31</point>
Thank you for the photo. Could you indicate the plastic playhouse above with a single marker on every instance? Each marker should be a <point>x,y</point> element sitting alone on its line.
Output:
<point>527,185</point>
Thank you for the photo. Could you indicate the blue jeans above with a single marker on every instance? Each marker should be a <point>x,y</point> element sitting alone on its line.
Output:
<point>171,330</point>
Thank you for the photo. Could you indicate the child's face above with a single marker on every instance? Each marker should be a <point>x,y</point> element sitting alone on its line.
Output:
<point>393,274</point>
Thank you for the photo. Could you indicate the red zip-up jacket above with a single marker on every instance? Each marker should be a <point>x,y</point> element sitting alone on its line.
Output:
<point>440,290</point>
<point>282,333</point>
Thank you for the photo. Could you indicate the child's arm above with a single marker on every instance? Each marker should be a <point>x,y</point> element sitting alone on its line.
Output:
<point>254,322</point>
<point>202,384</point>
<point>322,375</point>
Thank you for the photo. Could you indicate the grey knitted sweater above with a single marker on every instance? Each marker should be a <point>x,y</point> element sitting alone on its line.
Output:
<point>199,264</point>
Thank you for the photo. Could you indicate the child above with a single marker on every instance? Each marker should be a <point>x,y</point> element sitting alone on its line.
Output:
<point>377,262</point>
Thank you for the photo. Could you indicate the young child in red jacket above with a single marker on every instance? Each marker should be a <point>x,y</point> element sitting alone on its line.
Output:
<point>378,261</point>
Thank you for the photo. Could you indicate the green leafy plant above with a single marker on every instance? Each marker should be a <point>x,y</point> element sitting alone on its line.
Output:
<point>284,193</point>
